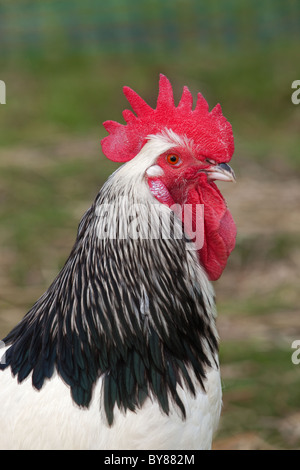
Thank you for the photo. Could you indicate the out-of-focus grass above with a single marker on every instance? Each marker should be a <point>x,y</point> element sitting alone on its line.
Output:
<point>261,388</point>
<point>74,94</point>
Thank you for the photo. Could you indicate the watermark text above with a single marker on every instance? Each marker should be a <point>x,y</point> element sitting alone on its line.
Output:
<point>296,94</point>
<point>122,220</point>
<point>296,354</point>
<point>2,92</point>
<point>2,356</point>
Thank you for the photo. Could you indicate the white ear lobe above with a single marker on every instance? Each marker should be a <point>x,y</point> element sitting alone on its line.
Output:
<point>155,170</point>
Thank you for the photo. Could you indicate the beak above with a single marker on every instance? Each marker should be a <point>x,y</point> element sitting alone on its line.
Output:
<point>222,172</point>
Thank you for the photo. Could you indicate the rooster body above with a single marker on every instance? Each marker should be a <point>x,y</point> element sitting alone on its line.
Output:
<point>121,352</point>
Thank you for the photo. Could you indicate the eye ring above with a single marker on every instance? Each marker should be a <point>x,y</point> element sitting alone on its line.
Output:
<point>173,159</point>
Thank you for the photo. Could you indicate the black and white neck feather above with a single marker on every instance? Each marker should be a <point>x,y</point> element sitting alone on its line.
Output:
<point>137,312</point>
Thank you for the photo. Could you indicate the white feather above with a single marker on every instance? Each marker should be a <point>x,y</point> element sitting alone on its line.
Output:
<point>155,170</point>
<point>49,419</point>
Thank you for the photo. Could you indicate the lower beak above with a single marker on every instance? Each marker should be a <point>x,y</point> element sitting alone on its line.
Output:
<point>222,172</point>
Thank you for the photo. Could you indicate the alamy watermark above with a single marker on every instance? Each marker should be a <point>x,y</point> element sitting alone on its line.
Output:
<point>122,220</point>
<point>2,356</point>
<point>2,92</point>
<point>296,94</point>
<point>296,354</point>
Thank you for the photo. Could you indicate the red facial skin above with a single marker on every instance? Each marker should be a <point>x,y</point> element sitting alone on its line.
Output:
<point>186,182</point>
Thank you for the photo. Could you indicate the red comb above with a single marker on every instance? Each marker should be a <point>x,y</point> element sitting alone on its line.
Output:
<point>210,131</point>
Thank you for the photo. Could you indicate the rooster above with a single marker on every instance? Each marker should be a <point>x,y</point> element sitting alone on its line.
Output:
<point>121,351</point>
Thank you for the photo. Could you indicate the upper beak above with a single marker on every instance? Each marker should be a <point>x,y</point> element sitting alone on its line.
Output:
<point>222,172</point>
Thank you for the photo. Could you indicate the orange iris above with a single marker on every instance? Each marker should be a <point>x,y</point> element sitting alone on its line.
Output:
<point>173,159</point>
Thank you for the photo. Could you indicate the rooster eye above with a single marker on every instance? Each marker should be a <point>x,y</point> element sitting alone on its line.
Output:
<point>173,159</point>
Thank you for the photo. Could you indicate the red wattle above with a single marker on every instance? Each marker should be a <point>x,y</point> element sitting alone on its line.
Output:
<point>217,224</point>
<point>219,227</point>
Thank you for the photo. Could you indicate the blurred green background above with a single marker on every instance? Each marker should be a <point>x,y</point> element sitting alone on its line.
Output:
<point>64,64</point>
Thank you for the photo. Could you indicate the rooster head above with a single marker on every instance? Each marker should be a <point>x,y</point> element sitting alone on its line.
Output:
<point>184,151</point>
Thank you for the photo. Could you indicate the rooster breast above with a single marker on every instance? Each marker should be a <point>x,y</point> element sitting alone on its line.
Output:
<point>49,419</point>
